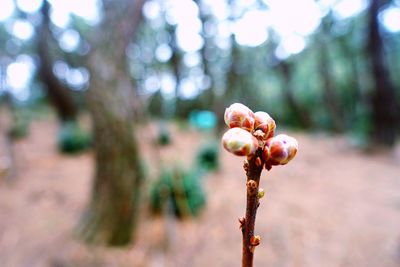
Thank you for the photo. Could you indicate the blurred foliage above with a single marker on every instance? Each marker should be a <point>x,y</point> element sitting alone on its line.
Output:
<point>156,102</point>
<point>72,138</point>
<point>208,157</point>
<point>182,124</point>
<point>164,135</point>
<point>179,188</point>
<point>20,127</point>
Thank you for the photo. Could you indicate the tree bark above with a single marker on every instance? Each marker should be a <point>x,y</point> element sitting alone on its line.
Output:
<point>384,107</point>
<point>59,95</point>
<point>113,209</point>
<point>114,206</point>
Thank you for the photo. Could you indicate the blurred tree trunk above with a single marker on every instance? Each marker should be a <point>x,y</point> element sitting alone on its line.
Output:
<point>301,115</point>
<point>176,62</point>
<point>353,77</point>
<point>329,96</point>
<point>208,97</point>
<point>8,170</point>
<point>232,87</point>
<point>384,108</point>
<point>114,206</point>
<point>58,94</point>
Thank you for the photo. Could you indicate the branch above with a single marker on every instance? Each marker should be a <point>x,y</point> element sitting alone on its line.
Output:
<point>252,135</point>
<point>58,93</point>
<point>253,167</point>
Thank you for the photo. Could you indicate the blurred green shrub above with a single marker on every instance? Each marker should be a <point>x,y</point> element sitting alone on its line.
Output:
<point>164,135</point>
<point>72,139</point>
<point>182,124</point>
<point>208,157</point>
<point>156,103</point>
<point>20,127</point>
<point>178,190</point>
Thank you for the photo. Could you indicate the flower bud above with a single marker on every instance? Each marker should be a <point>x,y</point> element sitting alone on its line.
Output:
<point>255,240</point>
<point>265,123</point>
<point>279,150</point>
<point>238,115</point>
<point>261,193</point>
<point>239,142</point>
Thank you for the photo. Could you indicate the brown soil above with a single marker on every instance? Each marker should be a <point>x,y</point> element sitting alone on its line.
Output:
<point>332,206</point>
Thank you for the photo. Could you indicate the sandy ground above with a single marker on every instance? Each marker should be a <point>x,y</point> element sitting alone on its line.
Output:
<point>331,207</point>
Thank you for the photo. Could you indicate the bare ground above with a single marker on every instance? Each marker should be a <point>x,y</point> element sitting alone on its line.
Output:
<point>332,206</point>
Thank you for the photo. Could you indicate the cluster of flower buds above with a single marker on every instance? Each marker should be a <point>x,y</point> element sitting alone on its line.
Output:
<point>250,131</point>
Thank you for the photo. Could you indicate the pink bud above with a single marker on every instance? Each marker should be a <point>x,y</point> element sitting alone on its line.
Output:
<point>279,150</point>
<point>239,142</point>
<point>265,123</point>
<point>238,115</point>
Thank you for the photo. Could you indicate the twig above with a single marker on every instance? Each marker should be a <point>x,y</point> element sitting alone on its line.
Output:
<point>253,167</point>
<point>252,135</point>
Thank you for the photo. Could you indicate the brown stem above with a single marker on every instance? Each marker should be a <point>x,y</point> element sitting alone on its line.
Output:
<point>253,167</point>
